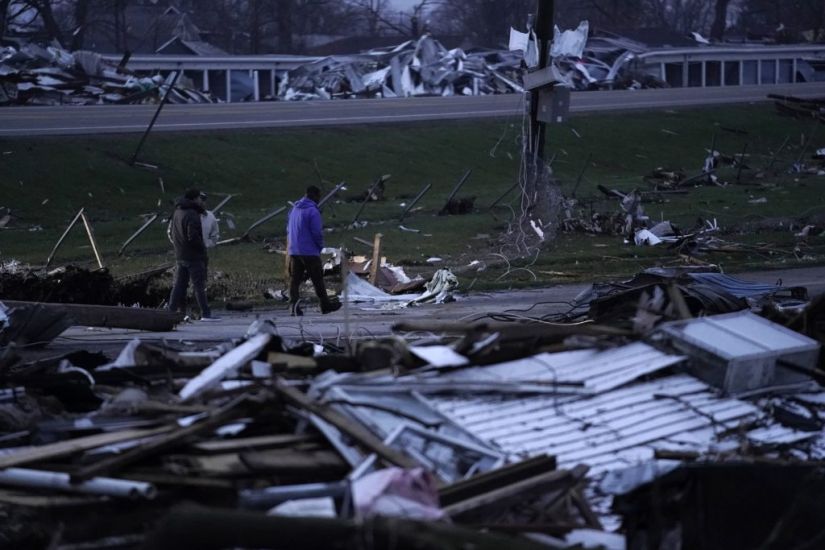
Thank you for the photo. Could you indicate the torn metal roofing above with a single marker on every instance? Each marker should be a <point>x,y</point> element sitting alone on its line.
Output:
<point>579,372</point>
<point>588,371</point>
<point>607,431</point>
<point>581,406</point>
<point>737,287</point>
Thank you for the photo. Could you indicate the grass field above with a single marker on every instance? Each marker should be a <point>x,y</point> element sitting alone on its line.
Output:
<point>45,181</point>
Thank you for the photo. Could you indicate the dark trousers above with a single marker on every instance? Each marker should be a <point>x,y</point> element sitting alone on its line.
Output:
<point>299,268</point>
<point>195,270</point>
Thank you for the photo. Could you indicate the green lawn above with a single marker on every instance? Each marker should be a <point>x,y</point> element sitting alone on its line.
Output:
<point>46,180</point>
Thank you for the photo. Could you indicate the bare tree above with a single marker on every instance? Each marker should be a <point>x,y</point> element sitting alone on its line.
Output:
<point>373,12</point>
<point>679,15</point>
<point>80,15</point>
<point>801,15</point>
<point>46,14</point>
<point>720,19</point>
<point>487,21</point>
<point>4,13</point>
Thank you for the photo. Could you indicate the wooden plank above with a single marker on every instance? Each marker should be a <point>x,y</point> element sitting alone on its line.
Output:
<point>249,443</point>
<point>347,426</point>
<point>517,490</point>
<point>232,360</point>
<point>61,449</point>
<point>376,258</point>
<point>493,479</point>
<point>156,320</point>
<point>176,480</point>
<point>288,461</point>
<point>166,441</point>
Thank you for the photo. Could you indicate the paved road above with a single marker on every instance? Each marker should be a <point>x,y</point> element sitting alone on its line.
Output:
<point>105,119</point>
<point>367,322</point>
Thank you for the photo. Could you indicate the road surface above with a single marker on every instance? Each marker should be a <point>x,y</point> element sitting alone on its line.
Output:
<point>109,119</point>
<point>369,321</point>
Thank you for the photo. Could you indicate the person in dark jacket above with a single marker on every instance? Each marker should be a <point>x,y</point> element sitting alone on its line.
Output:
<point>190,253</point>
<point>305,240</point>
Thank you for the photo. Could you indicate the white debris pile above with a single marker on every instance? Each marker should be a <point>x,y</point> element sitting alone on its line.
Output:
<point>422,67</point>
<point>37,75</point>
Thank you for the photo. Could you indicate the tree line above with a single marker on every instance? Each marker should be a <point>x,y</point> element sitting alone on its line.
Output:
<point>286,26</point>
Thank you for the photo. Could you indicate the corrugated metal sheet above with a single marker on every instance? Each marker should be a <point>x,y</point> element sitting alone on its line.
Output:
<point>606,422</point>
<point>734,286</point>
<point>607,431</point>
<point>574,372</point>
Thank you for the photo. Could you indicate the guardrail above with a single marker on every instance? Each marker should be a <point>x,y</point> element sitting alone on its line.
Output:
<point>230,77</point>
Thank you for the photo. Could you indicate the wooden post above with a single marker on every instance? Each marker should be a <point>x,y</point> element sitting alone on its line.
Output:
<point>581,174</point>
<point>376,258</point>
<point>544,33</point>
<point>63,238</point>
<point>741,163</point>
<point>91,235</point>
<point>137,234</point>
<point>370,191</point>
<point>221,204</point>
<point>414,202</point>
<point>163,102</point>
<point>501,197</point>
<point>456,190</point>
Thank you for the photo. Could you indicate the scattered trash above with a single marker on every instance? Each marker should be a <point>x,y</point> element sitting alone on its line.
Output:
<point>37,75</point>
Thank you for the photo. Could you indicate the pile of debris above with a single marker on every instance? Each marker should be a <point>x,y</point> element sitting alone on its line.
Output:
<point>415,68</point>
<point>76,285</point>
<point>36,75</point>
<point>424,67</point>
<point>496,434</point>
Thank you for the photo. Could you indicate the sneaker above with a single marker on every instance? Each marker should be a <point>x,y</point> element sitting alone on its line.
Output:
<point>210,319</point>
<point>330,307</point>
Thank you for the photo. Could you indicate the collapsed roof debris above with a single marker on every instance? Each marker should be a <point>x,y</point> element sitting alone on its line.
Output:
<point>521,427</point>
<point>36,75</point>
<point>424,67</point>
<point>414,68</point>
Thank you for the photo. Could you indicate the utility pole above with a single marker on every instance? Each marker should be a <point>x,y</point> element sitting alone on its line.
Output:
<point>541,196</point>
<point>543,26</point>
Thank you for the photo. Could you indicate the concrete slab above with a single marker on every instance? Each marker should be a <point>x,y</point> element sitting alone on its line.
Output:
<point>366,321</point>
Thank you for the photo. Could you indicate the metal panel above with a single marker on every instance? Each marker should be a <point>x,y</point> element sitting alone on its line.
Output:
<point>573,372</point>
<point>603,431</point>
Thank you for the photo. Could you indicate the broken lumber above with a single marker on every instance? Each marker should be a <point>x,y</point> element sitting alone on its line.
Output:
<point>53,451</point>
<point>352,429</point>
<point>172,438</point>
<point>230,361</point>
<point>154,320</point>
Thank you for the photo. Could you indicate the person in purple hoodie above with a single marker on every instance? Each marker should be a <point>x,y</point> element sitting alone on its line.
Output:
<point>305,239</point>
